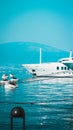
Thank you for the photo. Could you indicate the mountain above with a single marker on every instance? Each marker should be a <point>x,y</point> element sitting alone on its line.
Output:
<point>28,52</point>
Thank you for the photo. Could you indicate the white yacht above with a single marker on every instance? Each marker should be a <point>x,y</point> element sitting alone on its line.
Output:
<point>61,68</point>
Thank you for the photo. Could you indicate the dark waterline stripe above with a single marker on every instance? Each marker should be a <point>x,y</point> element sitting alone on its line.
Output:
<point>54,101</point>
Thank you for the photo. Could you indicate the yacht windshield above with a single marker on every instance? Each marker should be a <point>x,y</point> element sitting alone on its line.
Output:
<point>67,59</point>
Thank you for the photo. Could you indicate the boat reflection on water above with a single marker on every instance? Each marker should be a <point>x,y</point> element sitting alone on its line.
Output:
<point>59,80</point>
<point>48,80</point>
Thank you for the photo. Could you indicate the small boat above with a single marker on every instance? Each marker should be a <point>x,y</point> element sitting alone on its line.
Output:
<point>12,83</point>
<point>13,79</point>
<point>10,86</point>
<point>4,79</point>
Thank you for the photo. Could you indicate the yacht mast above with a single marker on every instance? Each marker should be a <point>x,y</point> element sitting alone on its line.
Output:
<point>71,54</point>
<point>40,56</point>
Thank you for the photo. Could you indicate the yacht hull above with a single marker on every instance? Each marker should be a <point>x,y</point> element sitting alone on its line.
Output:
<point>54,69</point>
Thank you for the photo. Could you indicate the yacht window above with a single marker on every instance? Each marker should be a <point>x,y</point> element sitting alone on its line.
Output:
<point>33,70</point>
<point>65,68</point>
<point>57,68</point>
<point>61,68</point>
<point>34,74</point>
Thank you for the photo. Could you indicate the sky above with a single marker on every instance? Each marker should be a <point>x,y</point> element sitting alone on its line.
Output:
<point>43,21</point>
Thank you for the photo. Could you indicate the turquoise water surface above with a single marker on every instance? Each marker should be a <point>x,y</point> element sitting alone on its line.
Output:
<point>47,102</point>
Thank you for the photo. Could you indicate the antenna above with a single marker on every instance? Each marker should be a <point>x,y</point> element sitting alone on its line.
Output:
<point>40,56</point>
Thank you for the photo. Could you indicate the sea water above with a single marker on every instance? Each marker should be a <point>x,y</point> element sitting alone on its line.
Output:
<point>47,102</point>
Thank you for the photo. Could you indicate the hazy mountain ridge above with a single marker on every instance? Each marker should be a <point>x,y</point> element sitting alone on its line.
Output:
<point>28,52</point>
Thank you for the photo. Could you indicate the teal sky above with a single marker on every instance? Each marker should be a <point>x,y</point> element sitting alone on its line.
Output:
<point>44,21</point>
